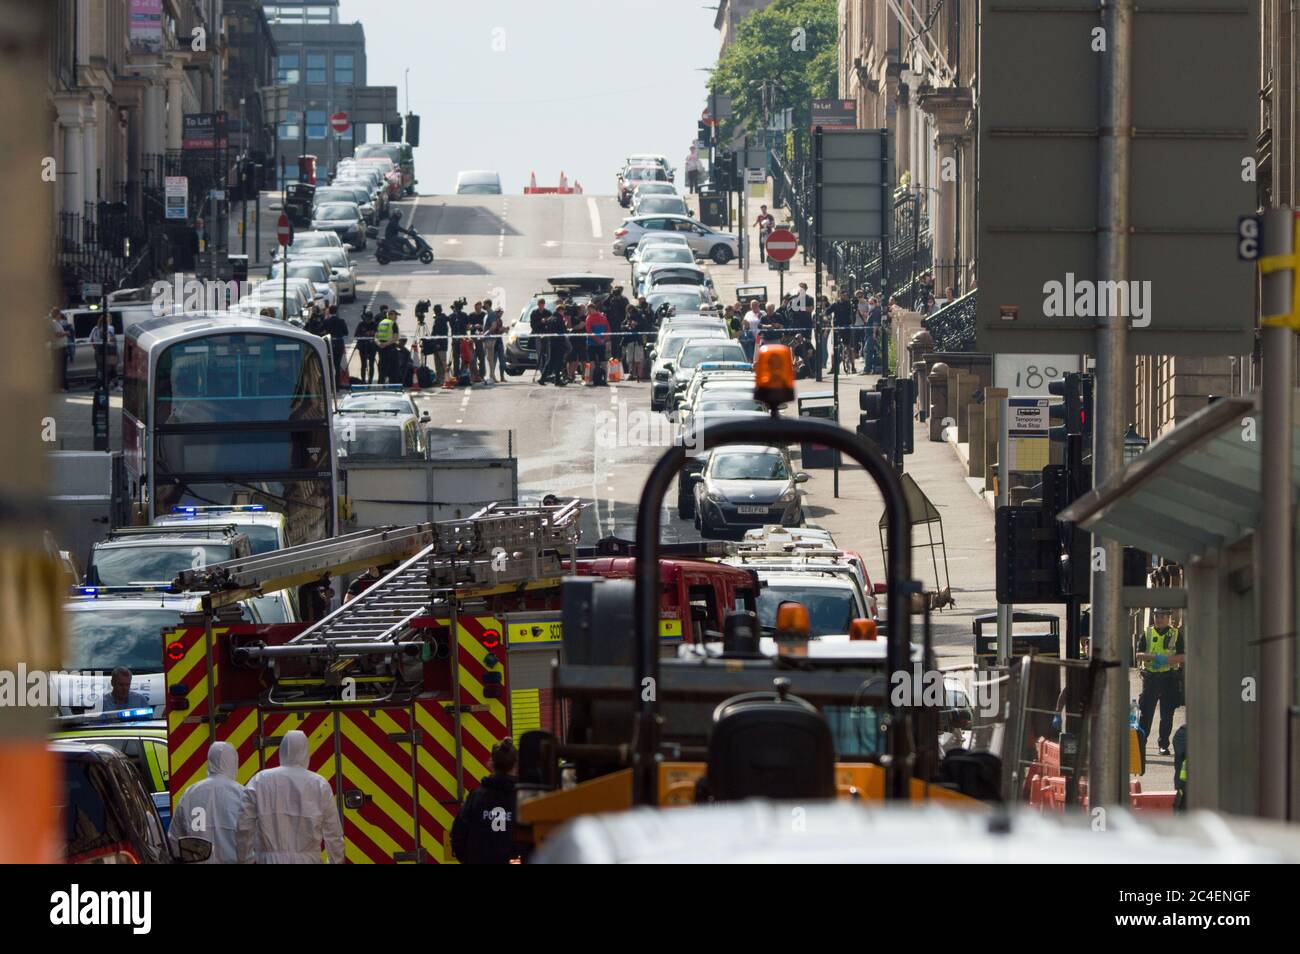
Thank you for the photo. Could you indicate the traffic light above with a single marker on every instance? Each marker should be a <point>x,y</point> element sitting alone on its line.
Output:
<point>1069,413</point>
<point>703,134</point>
<point>393,131</point>
<point>876,422</point>
<point>1026,554</point>
<point>904,402</point>
<point>412,129</point>
<point>727,172</point>
<point>1073,566</point>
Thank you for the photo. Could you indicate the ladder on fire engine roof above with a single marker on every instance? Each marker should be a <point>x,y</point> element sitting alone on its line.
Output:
<point>498,545</point>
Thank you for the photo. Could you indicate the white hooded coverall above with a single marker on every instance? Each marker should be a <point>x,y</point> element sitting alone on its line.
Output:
<point>209,809</point>
<point>288,811</point>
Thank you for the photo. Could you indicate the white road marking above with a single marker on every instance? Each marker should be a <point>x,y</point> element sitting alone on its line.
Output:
<point>451,241</point>
<point>594,211</point>
<point>374,294</point>
<point>551,243</point>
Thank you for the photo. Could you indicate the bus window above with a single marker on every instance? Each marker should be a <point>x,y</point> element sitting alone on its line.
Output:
<point>240,377</point>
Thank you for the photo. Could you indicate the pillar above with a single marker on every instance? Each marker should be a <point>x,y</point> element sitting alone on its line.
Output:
<point>90,163</point>
<point>155,119</point>
<point>951,108</point>
<point>175,105</point>
<point>74,154</point>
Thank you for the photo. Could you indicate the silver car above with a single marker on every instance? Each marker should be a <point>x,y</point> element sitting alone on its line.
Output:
<point>747,486</point>
<point>315,271</point>
<point>705,242</point>
<point>661,205</point>
<point>658,255</point>
<point>341,269</point>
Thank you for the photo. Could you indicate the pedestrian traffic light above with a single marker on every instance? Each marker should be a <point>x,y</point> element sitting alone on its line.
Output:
<point>412,129</point>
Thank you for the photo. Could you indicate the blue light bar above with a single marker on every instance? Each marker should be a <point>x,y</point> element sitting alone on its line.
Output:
<point>220,508</point>
<point>360,388</point>
<point>726,366</point>
<point>127,715</point>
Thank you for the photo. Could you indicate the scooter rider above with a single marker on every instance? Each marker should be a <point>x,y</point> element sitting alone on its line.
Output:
<point>394,235</point>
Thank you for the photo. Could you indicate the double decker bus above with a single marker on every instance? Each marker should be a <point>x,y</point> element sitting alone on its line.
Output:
<point>230,409</point>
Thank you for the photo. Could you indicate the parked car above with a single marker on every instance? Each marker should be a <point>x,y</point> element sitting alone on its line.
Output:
<point>142,555</point>
<point>745,486</point>
<point>342,271</point>
<point>676,273</point>
<point>681,299</point>
<point>343,219</point>
<point>315,271</point>
<point>350,192</point>
<point>722,353</point>
<point>106,815</point>
<point>137,735</point>
<point>706,242</point>
<point>661,205</point>
<point>382,436</point>
<point>306,240</point>
<point>666,351</point>
<point>658,254</point>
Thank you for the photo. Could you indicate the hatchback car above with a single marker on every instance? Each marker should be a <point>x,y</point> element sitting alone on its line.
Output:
<point>662,205</point>
<point>306,240</point>
<point>661,372</point>
<point>729,353</point>
<point>706,242</point>
<point>350,192</point>
<point>745,486</point>
<point>315,271</point>
<point>342,271</point>
<point>382,436</point>
<point>658,255</point>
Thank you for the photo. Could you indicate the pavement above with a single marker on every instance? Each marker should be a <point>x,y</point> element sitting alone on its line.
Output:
<point>504,248</point>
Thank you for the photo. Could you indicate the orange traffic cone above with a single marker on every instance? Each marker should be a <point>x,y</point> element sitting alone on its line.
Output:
<point>562,180</point>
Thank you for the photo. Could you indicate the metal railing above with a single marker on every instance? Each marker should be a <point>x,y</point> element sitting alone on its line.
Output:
<point>953,325</point>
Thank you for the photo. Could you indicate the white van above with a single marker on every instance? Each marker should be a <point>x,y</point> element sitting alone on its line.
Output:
<point>480,182</point>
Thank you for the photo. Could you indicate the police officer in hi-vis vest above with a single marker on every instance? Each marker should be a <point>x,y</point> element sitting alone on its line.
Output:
<point>1160,650</point>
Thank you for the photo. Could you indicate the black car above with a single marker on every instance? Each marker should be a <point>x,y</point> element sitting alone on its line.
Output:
<point>107,816</point>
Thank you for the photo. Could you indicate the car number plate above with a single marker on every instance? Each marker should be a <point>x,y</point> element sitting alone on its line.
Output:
<point>745,508</point>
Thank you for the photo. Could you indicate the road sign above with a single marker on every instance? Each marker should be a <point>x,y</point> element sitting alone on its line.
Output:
<point>176,194</point>
<point>855,185</point>
<point>781,245</point>
<point>1186,293</point>
<point>707,119</point>
<point>283,230</point>
<point>339,122</point>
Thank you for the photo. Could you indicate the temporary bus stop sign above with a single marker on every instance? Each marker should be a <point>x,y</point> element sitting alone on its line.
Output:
<point>1192,151</point>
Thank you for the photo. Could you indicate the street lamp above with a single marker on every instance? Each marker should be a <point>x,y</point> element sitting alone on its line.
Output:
<point>1134,444</point>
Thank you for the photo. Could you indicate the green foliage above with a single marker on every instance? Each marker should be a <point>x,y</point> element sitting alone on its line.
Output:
<point>792,48</point>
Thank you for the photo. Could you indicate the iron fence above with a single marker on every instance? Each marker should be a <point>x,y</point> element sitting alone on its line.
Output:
<point>953,325</point>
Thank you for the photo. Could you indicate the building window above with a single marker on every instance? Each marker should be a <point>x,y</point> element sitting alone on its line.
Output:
<point>315,124</point>
<point>289,131</point>
<point>288,65</point>
<point>316,68</point>
<point>344,69</point>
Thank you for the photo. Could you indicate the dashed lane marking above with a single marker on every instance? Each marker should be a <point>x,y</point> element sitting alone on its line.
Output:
<point>594,211</point>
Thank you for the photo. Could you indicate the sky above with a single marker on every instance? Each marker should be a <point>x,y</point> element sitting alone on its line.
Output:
<point>543,86</point>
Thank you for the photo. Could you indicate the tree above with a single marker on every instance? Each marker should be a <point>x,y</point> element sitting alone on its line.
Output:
<point>781,57</point>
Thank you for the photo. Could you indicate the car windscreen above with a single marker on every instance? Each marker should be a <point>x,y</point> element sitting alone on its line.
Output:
<point>721,351</point>
<point>668,253</point>
<point>104,637</point>
<point>312,271</point>
<point>371,441</point>
<point>656,188</point>
<point>707,408</point>
<point>310,241</point>
<point>380,406</point>
<point>123,566</point>
<point>755,466</point>
<point>679,301</point>
<point>829,610</point>
<point>333,257</point>
<point>270,609</point>
<point>674,276</point>
<point>473,188</point>
<point>336,210</point>
<point>662,204</point>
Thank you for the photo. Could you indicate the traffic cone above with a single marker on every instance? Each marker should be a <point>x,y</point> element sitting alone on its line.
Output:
<point>562,180</point>
<point>532,180</point>
<point>415,373</point>
<point>577,188</point>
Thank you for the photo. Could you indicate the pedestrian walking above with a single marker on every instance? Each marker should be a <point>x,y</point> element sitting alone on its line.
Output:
<point>104,341</point>
<point>493,329</point>
<point>484,830</point>
<point>336,333</point>
<point>288,812</point>
<point>209,809</point>
<point>1161,651</point>
<point>693,170</point>
<point>537,320</point>
<point>765,222</point>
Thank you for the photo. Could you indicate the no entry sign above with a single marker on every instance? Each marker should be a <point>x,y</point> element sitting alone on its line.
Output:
<point>339,122</point>
<point>283,230</point>
<point>781,245</point>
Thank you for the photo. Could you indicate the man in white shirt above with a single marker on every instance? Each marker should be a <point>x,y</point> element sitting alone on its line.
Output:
<point>749,326</point>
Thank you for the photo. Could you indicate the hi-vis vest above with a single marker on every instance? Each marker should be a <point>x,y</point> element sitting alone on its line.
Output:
<point>384,333</point>
<point>1156,643</point>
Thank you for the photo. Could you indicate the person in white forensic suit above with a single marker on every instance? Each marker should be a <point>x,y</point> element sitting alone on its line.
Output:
<point>288,811</point>
<point>209,809</point>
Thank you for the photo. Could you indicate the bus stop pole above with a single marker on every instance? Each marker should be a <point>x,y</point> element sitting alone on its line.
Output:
<point>1004,499</point>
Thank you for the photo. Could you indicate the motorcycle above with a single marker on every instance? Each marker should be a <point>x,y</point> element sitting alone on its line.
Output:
<point>400,251</point>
